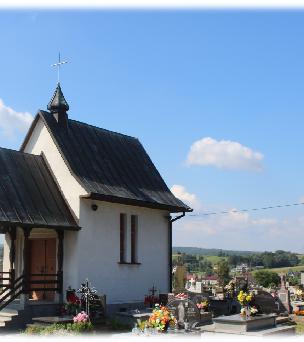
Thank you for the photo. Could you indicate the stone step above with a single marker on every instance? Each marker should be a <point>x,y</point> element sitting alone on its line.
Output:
<point>5,318</point>
<point>8,312</point>
<point>280,320</point>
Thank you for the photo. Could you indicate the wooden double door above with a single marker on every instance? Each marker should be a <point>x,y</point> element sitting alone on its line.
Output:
<point>43,264</point>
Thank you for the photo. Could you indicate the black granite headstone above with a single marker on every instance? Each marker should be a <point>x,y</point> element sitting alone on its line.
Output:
<point>266,303</point>
<point>184,310</point>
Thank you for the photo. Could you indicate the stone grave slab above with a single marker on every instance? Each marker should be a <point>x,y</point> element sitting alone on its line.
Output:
<point>131,317</point>
<point>53,320</point>
<point>238,324</point>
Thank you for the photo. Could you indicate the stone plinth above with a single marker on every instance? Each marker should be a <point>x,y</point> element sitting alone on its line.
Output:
<point>53,320</point>
<point>130,317</point>
<point>205,318</point>
<point>238,324</point>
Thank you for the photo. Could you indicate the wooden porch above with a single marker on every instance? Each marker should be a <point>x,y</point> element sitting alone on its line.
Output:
<point>14,285</point>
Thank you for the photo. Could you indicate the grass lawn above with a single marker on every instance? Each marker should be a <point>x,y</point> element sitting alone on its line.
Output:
<point>214,259</point>
<point>283,269</point>
<point>300,329</point>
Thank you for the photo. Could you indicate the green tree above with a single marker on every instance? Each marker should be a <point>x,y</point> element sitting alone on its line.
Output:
<point>266,278</point>
<point>223,272</point>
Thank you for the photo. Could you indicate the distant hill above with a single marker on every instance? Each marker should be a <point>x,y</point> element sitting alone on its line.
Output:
<point>208,251</point>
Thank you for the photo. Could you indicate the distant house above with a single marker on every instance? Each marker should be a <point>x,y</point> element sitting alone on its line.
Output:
<point>243,268</point>
<point>209,280</point>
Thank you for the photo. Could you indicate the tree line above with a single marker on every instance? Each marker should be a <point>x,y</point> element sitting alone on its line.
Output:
<point>266,259</point>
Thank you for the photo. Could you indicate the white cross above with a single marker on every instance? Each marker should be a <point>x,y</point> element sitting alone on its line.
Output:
<point>58,66</point>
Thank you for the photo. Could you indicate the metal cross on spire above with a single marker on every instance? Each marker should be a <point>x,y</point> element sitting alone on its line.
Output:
<point>57,65</point>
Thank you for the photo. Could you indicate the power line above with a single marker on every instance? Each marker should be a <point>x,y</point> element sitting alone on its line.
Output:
<point>246,210</point>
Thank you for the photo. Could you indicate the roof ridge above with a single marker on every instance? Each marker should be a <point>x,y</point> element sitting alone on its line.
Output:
<point>103,129</point>
<point>19,152</point>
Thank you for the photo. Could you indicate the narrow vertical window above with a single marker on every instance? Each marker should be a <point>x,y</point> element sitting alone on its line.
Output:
<point>134,221</point>
<point>122,237</point>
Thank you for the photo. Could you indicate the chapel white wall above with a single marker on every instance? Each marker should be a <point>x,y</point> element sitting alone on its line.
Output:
<point>99,251</point>
<point>41,141</point>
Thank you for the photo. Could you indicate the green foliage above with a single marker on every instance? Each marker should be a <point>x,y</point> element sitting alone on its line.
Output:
<point>223,272</point>
<point>266,278</point>
<point>194,263</point>
<point>208,251</point>
<point>60,329</point>
<point>115,324</point>
<point>267,259</point>
<point>300,328</point>
<point>301,260</point>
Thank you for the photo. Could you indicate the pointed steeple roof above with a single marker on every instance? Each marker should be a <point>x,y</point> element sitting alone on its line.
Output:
<point>58,103</point>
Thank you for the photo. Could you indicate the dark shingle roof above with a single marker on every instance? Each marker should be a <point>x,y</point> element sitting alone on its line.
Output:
<point>111,166</point>
<point>28,193</point>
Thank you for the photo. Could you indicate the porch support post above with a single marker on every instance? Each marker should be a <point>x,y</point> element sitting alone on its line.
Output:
<point>60,234</point>
<point>26,265</point>
<point>12,253</point>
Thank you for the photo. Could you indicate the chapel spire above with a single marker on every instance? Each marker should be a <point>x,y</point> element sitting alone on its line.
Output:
<point>58,105</point>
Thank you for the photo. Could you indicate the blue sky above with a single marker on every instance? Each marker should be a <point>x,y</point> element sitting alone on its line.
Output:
<point>173,78</point>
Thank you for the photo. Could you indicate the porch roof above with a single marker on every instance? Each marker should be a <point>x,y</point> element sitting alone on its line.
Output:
<point>29,195</point>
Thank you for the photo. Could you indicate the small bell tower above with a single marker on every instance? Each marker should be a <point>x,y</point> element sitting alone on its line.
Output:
<point>58,105</point>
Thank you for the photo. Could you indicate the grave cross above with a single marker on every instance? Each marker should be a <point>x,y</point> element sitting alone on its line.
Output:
<point>153,290</point>
<point>87,294</point>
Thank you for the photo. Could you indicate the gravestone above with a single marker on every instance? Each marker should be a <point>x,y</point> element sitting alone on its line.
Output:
<point>198,298</point>
<point>185,311</point>
<point>199,287</point>
<point>284,295</point>
<point>266,303</point>
<point>302,278</point>
<point>164,298</point>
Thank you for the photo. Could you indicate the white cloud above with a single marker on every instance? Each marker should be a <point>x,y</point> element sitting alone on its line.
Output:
<point>224,154</point>
<point>235,230</point>
<point>180,192</point>
<point>12,122</point>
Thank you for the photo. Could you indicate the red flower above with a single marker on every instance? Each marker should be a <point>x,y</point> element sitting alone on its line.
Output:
<point>72,298</point>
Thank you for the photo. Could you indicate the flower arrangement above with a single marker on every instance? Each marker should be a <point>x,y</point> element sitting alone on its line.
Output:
<point>204,305</point>
<point>181,296</point>
<point>73,304</point>
<point>253,310</point>
<point>229,289</point>
<point>299,294</point>
<point>82,317</point>
<point>299,312</point>
<point>245,298</point>
<point>160,320</point>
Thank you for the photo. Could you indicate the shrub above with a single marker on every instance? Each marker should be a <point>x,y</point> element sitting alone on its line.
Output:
<point>266,278</point>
